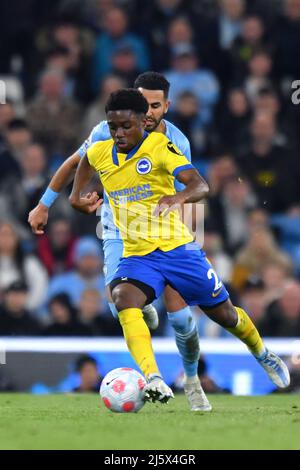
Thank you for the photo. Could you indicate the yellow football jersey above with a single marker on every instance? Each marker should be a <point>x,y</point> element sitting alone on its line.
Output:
<point>134,183</point>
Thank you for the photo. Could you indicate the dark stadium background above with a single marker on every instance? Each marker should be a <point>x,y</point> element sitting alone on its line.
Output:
<point>232,65</point>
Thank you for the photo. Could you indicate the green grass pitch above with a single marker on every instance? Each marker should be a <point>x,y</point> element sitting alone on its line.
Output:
<point>82,422</point>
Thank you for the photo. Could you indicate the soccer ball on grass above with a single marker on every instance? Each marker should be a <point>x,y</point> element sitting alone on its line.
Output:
<point>122,390</point>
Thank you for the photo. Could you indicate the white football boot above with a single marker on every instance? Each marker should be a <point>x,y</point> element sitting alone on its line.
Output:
<point>275,368</point>
<point>151,317</point>
<point>195,395</point>
<point>157,390</point>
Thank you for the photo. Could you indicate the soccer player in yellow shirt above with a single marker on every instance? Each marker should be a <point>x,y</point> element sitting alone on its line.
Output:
<point>137,171</point>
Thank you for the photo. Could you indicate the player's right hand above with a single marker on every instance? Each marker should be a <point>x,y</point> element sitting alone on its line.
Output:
<point>38,219</point>
<point>87,204</point>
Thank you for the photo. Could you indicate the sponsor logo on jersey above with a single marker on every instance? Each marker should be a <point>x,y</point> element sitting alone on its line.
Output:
<point>174,149</point>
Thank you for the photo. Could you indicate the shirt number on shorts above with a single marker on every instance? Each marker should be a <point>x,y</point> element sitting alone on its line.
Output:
<point>211,273</point>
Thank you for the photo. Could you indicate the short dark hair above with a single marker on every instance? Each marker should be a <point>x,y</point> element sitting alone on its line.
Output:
<point>18,124</point>
<point>127,99</point>
<point>153,81</point>
<point>83,360</point>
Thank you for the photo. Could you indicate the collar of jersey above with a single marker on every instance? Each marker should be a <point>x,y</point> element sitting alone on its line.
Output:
<point>131,153</point>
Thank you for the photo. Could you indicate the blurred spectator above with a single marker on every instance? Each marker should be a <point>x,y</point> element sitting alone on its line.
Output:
<point>274,277</point>
<point>261,249</point>
<point>230,212</point>
<point>90,379</point>
<point>217,256</point>
<point>87,273</point>
<point>96,112</point>
<point>258,219</point>
<point>254,301</point>
<point>54,119</point>
<point>233,121</point>
<point>283,315</point>
<point>56,248</point>
<point>230,21</point>
<point>16,138</point>
<point>250,39</point>
<point>116,33</point>
<point>287,41</point>
<point>259,77</point>
<point>93,313</point>
<point>15,320</point>
<point>179,32</point>
<point>15,265</point>
<point>7,114</point>
<point>156,22</point>
<point>270,166</point>
<point>220,172</point>
<point>216,35</point>
<point>186,75</point>
<point>288,227</point>
<point>63,318</point>
<point>186,118</point>
<point>124,64</point>
<point>69,48</point>
<point>29,186</point>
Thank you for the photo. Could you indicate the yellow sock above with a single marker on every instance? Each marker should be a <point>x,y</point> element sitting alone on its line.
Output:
<point>246,331</point>
<point>138,339</point>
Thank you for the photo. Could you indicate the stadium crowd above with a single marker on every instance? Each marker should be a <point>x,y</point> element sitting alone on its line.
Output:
<point>231,65</point>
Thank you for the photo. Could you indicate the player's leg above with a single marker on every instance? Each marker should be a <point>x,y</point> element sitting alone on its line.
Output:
<point>194,278</point>
<point>187,341</point>
<point>113,250</point>
<point>237,322</point>
<point>129,296</point>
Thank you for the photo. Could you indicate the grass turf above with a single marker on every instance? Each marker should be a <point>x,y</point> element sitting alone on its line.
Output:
<point>82,422</point>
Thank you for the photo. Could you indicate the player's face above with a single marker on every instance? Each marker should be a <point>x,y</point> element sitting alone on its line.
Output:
<point>126,128</point>
<point>158,107</point>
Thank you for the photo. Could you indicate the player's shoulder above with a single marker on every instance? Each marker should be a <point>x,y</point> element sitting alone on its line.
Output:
<point>100,132</point>
<point>157,138</point>
<point>175,135</point>
<point>100,146</point>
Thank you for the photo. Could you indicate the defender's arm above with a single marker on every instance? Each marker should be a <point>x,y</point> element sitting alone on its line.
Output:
<point>38,217</point>
<point>90,202</point>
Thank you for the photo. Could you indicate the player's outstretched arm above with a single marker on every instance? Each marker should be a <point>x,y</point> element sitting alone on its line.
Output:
<point>196,188</point>
<point>38,217</point>
<point>84,203</point>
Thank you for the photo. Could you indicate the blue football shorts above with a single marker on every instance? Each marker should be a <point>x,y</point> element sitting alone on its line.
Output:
<point>185,268</point>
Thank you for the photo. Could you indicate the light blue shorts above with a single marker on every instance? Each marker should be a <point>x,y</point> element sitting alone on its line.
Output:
<point>113,250</point>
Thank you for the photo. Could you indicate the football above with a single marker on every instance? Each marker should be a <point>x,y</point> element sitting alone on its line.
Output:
<point>122,390</point>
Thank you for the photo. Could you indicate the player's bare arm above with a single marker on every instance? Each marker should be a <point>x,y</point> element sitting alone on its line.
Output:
<point>89,202</point>
<point>196,189</point>
<point>38,217</point>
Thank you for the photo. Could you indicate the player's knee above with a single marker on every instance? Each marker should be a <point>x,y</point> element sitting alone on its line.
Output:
<point>230,317</point>
<point>122,298</point>
<point>225,315</point>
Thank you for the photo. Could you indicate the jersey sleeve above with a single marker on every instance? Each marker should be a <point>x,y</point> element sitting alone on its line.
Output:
<point>99,133</point>
<point>173,160</point>
<point>93,155</point>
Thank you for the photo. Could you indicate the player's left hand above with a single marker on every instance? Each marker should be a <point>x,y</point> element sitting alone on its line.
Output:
<point>87,204</point>
<point>168,204</point>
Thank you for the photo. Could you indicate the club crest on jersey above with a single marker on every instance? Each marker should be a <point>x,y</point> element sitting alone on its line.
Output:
<point>143,166</point>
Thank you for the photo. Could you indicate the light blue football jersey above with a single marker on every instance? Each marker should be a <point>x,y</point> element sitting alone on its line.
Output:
<point>101,132</point>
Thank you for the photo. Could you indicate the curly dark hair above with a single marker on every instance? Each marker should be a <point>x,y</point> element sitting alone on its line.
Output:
<point>127,99</point>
